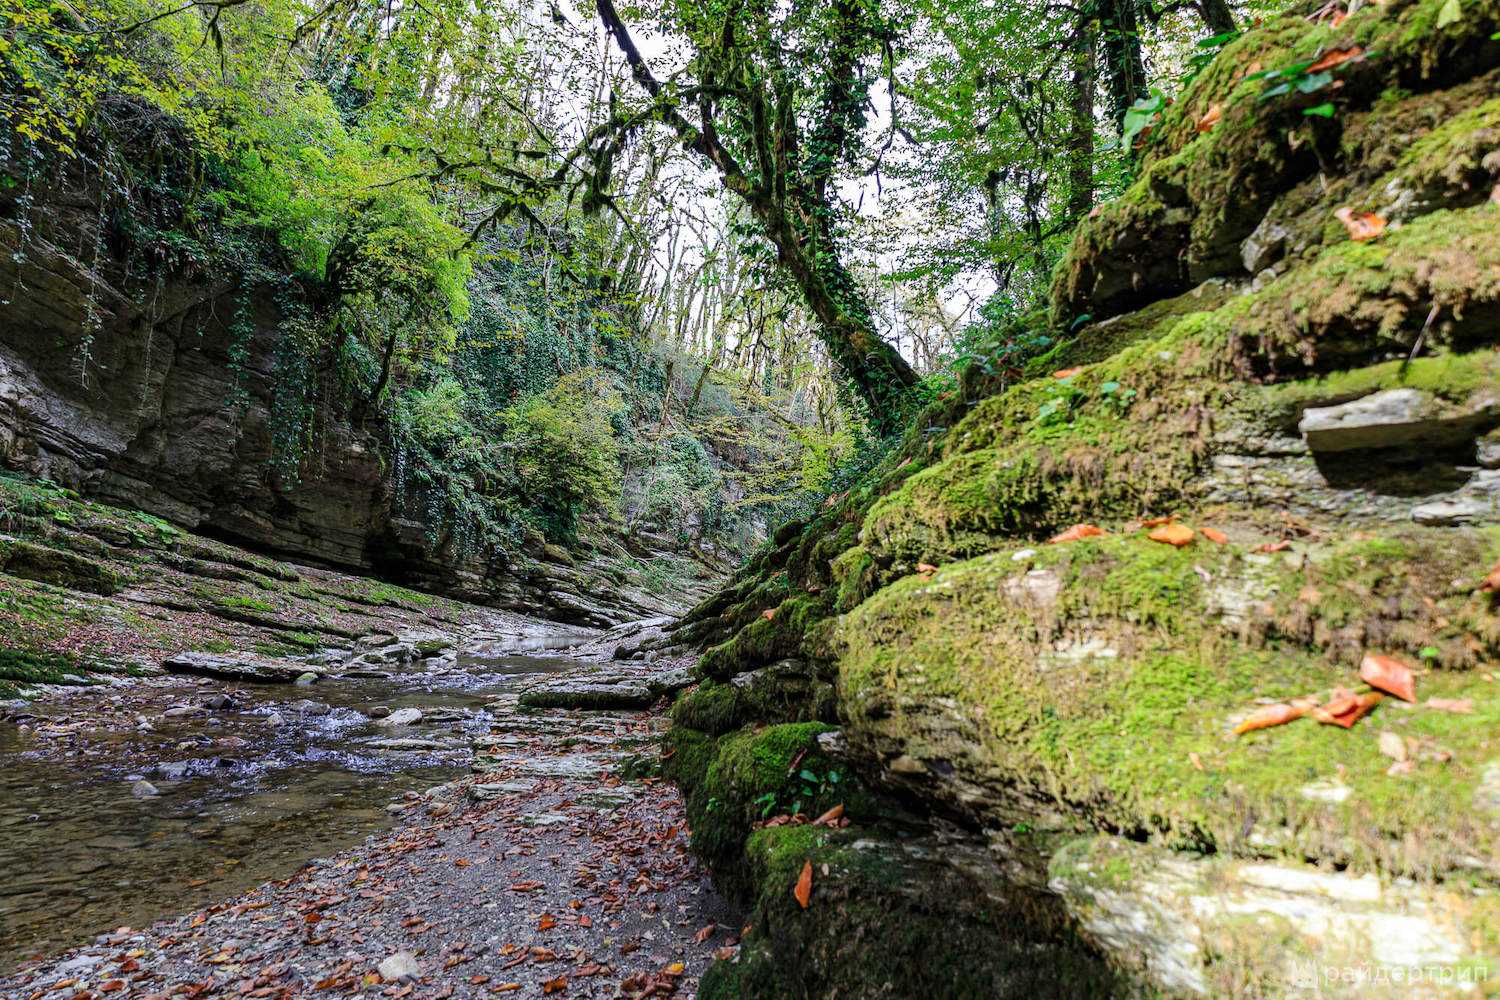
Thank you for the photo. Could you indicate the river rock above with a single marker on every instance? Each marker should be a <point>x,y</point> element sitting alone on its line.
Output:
<point>306,678</point>
<point>400,967</point>
<point>236,668</point>
<point>401,717</point>
<point>275,719</point>
<point>591,693</point>
<point>143,789</point>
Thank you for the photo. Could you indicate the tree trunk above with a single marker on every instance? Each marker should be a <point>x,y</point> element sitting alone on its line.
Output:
<point>1217,16</point>
<point>1125,68</point>
<point>1081,121</point>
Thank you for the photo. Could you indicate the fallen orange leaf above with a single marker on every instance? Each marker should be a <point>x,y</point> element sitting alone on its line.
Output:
<point>558,985</point>
<point>1210,117</point>
<point>1152,522</point>
<point>926,568</point>
<point>803,891</point>
<point>546,923</point>
<point>1336,57</point>
<point>1271,715</point>
<point>1076,533</point>
<point>1214,535</point>
<point>1388,674</point>
<point>1491,583</point>
<point>768,614</point>
<point>1063,373</point>
<point>1361,226</point>
<point>1285,543</point>
<point>1173,534</point>
<point>831,817</point>
<point>706,933</point>
<point>1348,710</point>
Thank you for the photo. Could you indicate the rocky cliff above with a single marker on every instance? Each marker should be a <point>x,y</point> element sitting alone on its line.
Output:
<point>147,380</point>
<point>1285,357</point>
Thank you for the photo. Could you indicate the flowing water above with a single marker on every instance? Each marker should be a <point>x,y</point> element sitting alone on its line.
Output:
<point>241,800</point>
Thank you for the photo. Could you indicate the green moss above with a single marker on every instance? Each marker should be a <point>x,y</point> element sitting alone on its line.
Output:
<point>20,668</point>
<point>58,567</point>
<point>1098,699</point>
<point>1452,377</point>
<point>766,640</point>
<point>246,603</point>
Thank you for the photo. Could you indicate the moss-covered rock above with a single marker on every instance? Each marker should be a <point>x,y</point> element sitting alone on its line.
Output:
<point>58,567</point>
<point>894,919</point>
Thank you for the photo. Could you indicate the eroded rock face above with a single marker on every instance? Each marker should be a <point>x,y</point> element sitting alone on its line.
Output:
<point>161,396</point>
<point>1219,927</point>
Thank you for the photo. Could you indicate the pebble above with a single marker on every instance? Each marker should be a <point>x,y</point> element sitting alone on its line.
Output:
<point>399,967</point>
<point>143,789</point>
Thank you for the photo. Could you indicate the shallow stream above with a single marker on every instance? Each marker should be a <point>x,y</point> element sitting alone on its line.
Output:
<point>240,799</point>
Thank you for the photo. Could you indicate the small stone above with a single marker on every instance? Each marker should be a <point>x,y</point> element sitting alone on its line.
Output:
<point>143,789</point>
<point>402,717</point>
<point>907,764</point>
<point>379,711</point>
<point>306,678</point>
<point>400,967</point>
<point>275,719</point>
<point>1023,555</point>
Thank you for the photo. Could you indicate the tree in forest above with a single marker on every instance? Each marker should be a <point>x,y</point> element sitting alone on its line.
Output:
<point>776,101</point>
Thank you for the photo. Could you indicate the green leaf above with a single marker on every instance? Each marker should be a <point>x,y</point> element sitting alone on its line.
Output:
<point>1314,82</point>
<point>1451,13</point>
<point>1324,110</point>
<point>807,775</point>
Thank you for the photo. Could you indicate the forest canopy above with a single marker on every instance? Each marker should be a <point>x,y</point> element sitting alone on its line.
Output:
<point>483,217</point>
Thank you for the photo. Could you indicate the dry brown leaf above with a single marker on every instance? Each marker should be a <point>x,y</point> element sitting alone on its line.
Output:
<point>1388,674</point>
<point>1491,583</point>
<point>1392,746</point>
<point>1270,715</point>
<point>803,891</point>
<point>1214,535</point>
<point>1196,761</point>
<point>1173,534</point>
<point>1458,706</point>
<point>926,569</point>
<point>768,614</point>
<point>1336,57</point>
<point>706,933</point>
<point>1280,546</point>
<point>1401,767</point>
<point>1076,533</point>
<point>1210,118</point>
<point>546,923</point>
<point>1361,226</point>
<point>558,985</point>
<point>1152,522</point>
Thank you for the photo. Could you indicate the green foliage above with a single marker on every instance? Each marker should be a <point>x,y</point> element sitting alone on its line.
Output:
<point>566,452</point>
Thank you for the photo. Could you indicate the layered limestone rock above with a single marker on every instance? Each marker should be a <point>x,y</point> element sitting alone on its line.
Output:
<point>1329,408</point>
<point>154,389</point>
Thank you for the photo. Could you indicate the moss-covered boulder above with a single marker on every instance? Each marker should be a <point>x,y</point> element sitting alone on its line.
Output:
<point>1329,408</point>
